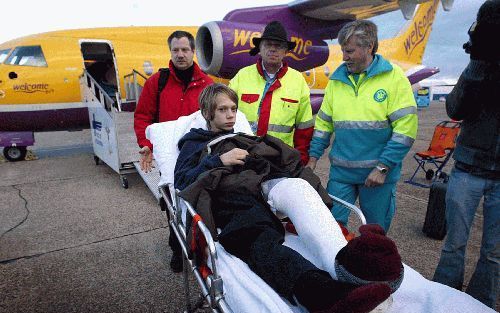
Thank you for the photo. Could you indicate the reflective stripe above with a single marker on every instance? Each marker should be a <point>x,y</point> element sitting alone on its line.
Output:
<point>279,128</point>
<point>361,124</point>
<point>402,139</point>
<point>396,115</point>
<point>304,125</point>
<point>324,116</point>
<point>217,140</point>
<point>354,164</point>
<point>322,134</point>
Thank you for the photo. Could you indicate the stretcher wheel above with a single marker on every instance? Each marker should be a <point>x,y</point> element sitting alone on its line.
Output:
<point>124,181</point>
<point>429,174</point>
<point>14,153</point>
<point>97,160</point>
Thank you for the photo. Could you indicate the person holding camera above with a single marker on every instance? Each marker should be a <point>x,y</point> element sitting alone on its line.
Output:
<point>476,174</point>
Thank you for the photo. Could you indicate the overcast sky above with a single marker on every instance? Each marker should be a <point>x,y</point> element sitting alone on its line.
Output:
<point>40,16</point>
<point>448,35</point>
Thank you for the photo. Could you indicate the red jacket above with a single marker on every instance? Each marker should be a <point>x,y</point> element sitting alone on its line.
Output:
<point>174,101</point>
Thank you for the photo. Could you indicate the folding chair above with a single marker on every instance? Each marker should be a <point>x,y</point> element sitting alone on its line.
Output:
<point>439,152</point>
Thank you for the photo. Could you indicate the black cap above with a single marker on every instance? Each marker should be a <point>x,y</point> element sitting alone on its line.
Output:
<point>273,31</point>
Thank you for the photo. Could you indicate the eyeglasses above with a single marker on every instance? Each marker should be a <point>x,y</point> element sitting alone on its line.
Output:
<point>472,28</point>
<point>468,45</point>
<point>275,44</point>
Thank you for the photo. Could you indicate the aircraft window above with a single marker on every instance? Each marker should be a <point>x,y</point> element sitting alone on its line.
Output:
<point>4,54</point>
<point>27,56</point>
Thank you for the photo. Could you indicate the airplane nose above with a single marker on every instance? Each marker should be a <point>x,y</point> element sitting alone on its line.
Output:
<point>12,75</point>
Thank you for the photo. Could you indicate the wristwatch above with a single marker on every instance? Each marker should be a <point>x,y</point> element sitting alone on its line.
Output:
<point>382,169</point>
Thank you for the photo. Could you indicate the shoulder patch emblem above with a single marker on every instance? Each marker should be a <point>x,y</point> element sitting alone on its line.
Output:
<point>380,95</point>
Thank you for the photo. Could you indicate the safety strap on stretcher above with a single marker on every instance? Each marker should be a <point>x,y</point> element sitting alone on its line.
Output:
<point>198,247</point>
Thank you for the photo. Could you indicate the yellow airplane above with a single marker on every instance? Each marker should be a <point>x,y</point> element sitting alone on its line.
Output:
<point>40,74</point>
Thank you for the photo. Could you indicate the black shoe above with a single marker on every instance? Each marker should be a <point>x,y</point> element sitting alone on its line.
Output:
<point>176,263</point>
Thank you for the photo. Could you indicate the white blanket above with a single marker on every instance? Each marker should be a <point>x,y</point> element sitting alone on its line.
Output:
<point>246,292</point>
<point>165,136</point>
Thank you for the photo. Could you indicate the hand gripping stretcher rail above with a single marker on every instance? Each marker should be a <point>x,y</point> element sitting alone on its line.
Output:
<point>228,285</point>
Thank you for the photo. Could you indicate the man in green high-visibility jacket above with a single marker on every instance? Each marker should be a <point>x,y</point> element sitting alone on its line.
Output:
<point>370,107</point>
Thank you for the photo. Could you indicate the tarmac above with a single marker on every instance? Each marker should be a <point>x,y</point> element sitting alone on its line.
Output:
<point>73,240</point>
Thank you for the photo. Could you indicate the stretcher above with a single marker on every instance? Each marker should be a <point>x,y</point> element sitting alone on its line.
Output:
<point>228,285</point>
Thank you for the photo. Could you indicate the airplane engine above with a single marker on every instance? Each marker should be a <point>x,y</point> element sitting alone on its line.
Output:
<point>222,48</point>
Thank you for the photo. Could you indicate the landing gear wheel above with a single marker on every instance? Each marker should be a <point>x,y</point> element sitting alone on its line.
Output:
<point>124,181</point>
<point>429,174</point>
<point>97,160</point>
<point>14,154</point>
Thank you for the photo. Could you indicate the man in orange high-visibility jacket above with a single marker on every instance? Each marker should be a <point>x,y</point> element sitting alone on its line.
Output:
<point>274,97</point>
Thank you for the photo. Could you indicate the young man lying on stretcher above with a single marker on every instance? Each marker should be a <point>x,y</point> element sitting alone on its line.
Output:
<point>229,176</point>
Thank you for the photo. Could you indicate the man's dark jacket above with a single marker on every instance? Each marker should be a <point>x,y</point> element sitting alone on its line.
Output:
<point>475,99</point>
<point>218,192</point>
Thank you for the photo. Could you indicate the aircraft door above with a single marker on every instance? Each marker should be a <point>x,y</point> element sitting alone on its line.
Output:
<point>100,62</point>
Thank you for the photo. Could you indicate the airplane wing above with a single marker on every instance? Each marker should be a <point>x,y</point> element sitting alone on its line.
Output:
<point>322,18</point>
<point>356,9</point>
<point>343,10</point>
<point>337,10</point>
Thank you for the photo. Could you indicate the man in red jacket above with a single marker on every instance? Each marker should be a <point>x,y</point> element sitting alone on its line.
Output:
<point>179,97</point>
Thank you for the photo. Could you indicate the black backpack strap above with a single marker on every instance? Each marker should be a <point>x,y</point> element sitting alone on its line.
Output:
<point>162,82</point>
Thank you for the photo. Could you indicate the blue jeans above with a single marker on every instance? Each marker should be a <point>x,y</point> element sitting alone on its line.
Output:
<point>462,199</point>
<point>378,204</point>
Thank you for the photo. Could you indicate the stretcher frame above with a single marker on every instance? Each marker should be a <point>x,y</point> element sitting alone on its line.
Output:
<point>212,292</point>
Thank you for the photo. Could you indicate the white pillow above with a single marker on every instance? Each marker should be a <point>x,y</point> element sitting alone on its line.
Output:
<point>165,136</point>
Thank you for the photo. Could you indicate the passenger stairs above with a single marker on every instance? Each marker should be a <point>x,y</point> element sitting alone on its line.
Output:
<point>112,128</point>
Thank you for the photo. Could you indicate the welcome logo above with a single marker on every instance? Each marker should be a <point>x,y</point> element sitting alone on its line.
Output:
<point>242,37</point>
<point>32,88</point>
<point>420,30</point>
